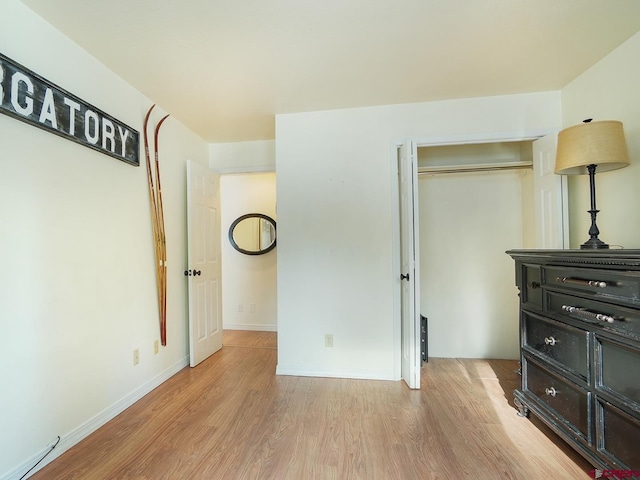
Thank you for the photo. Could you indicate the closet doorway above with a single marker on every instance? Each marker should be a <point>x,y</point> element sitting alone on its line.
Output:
<point>475,202</point>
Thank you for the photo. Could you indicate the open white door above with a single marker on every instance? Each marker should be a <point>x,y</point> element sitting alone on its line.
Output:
<point>204,269</point>
<point>550,196</point>
<point>409,265</point>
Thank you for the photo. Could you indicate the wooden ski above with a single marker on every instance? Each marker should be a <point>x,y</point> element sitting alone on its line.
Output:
<point>157,221</point>
<point>162,237</point>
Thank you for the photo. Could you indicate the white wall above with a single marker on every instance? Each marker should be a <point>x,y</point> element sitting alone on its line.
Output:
<point>335,222</point>
<point>77,268</point>
<point>243,156</point>
<point>248,281</point>
<point>608,91</point>
<point>467,222</point>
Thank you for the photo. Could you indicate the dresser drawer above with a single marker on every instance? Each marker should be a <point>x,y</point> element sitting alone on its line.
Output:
<point>618,436</point>
<point>566,399</point>
<point>619,370</point>
<point>608,316</point>
<point>621,286</point>
<point>564,344</point>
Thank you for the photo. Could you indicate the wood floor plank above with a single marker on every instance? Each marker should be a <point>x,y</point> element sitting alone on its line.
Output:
<point>232,418</point>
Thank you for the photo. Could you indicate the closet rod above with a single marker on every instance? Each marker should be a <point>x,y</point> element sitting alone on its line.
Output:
<point>473,168</point>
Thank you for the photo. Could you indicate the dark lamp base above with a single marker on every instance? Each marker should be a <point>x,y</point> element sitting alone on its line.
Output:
<point>594,244</point>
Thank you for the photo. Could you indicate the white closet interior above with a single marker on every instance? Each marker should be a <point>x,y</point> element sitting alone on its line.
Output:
<point>475,202</point>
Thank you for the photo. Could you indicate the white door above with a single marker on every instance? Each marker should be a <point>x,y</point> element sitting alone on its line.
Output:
<point>409,265</point>
<point>550,196</point>
<point>204,269</point>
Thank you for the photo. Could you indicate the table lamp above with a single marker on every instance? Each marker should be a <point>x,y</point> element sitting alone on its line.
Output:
<point>584,147</point>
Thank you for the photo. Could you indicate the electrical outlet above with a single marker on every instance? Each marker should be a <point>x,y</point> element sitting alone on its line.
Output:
<point>136,356</point>
<point>328,340</point>
<point>156,347</point>
<point>240,308</point>
<point>252,308</point>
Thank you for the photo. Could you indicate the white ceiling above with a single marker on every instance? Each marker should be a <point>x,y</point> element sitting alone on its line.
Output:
<point>224,68</point>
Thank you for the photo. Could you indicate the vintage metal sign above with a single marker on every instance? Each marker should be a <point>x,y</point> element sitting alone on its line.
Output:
<point>32,99</point>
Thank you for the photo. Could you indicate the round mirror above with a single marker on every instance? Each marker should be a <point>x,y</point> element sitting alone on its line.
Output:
<point>253,234</point>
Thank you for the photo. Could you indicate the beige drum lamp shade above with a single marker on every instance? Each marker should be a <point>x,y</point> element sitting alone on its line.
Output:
<point>595,143</point>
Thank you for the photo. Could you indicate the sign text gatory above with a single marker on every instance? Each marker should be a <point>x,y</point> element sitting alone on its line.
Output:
<point>32,99</point>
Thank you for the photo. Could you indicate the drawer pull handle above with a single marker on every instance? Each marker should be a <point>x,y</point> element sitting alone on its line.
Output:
<point>551,391</point>
<point>550,341</point>
<point>585,313</point>
<point>533,285</point>
<point>577,281</point>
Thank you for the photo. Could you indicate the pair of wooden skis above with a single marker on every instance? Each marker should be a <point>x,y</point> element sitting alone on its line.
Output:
<point>157,219</point>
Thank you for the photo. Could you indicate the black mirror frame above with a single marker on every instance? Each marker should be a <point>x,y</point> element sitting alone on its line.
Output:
<point>252,252</point>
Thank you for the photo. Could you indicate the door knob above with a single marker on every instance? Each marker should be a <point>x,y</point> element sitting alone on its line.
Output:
<point>196,272</point>
<point>404,277</point>
<point>187,273</point>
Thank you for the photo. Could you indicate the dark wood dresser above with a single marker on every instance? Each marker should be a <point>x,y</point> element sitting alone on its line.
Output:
<point>580,349</point>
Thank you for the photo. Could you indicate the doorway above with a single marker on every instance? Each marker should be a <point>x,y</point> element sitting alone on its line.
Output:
<point>476,200</point>
<point>249,295</point>
<point>475,203</point>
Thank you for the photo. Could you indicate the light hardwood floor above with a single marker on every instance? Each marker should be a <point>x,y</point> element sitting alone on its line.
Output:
<point>233,418</point>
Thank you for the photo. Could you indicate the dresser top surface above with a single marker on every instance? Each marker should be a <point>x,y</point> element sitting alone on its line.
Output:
<point>606,257</point>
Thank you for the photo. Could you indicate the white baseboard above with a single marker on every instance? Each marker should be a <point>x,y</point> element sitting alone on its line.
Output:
<point>249,326</point>
<point>75,436</point>
<point>298,371</point>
